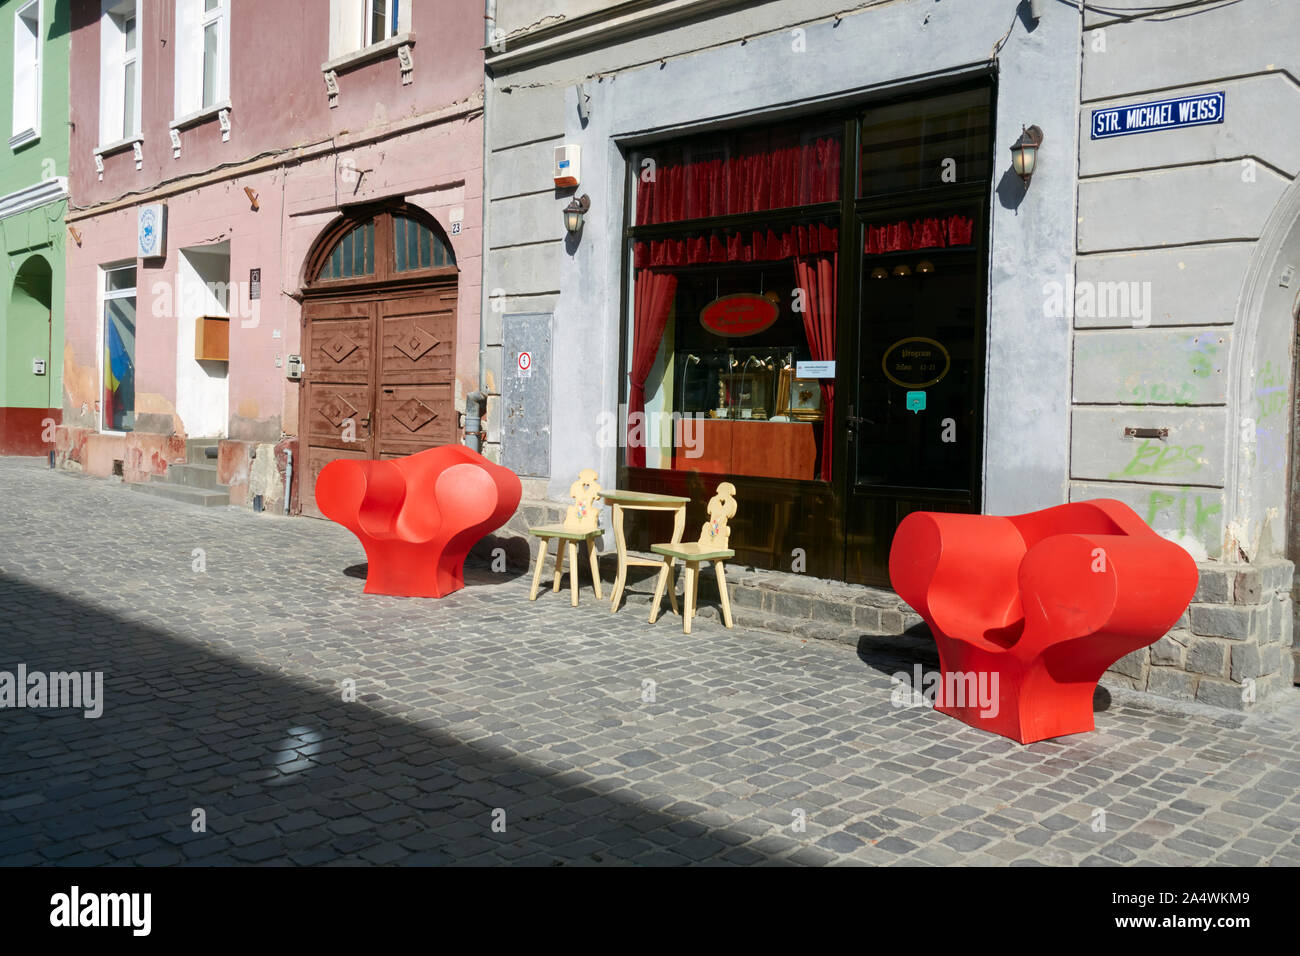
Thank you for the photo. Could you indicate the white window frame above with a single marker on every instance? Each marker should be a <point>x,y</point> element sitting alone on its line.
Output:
<point>352,28</point>
<point>104,298</point>
<point>192,21</point>
<point>23,132</point>
<point>392,21</point>
<point>113,61</point>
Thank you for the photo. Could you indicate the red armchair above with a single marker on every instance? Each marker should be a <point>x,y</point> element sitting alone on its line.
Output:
<point>417,517</point>
<point>1037,606</point>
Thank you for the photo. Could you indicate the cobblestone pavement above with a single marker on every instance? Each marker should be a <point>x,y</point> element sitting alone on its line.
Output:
<point>222,693</point>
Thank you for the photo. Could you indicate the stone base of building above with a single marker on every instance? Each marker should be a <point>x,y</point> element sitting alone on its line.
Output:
<point>245,468</point>
<point>1232,648</point>
<point>135,456</point>
<point>250,468</point>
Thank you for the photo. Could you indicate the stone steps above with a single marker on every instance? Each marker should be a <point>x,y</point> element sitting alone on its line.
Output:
<point>194,482</point>
<point>179,492</point>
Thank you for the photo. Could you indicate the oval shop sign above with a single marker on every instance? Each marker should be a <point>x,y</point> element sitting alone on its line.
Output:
<point>915,362</point>
<point>738,315</point>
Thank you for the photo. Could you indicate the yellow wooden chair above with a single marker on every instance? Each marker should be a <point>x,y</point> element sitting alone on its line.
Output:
<point>581,523</point>
<point>712,548</point>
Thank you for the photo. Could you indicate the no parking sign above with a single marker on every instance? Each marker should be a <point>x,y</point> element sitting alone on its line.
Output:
<point>525,363</point>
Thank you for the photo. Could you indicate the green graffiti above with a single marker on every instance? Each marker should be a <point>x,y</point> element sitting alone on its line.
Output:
<point>1156,458</point>
<point>1270,391</point>
<point>1161,394</point>
<point>1183,511</point>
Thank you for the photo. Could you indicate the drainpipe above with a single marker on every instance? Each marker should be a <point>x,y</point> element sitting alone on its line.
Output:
<point>490,20</point>
<point>288,476</point>
<point>474,433</point>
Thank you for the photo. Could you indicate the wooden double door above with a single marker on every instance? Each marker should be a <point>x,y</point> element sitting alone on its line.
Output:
<point>379,378</point>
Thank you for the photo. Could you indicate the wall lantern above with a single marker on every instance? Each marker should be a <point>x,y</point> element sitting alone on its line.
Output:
<point>879,273</point>
<point>1024,152</point>
<point>574,212</point>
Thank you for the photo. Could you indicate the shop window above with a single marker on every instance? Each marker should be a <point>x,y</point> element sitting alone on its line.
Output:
<point>118,406</point>
<point>119,71</point>
<point>202,55</point>
<point>352,256</point>
<point>27,75</point>
<point>357,24</point>
<point>925,143</point>
<point>772,168</point>
<point>415,246</point>
<point>721,321</point>
<point>722,316</point>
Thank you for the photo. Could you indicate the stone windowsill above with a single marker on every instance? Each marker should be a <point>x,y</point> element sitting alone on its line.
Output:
<point>25,138</point>
<point>373,52</point>
<point>118,145</point>
<point>199,116</point>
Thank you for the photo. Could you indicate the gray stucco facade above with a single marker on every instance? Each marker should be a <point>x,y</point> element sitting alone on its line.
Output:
<point>1200,224</point>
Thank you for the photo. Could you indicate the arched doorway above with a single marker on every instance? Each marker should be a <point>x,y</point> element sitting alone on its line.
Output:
<point>379,327</point>
<point>28,379</point>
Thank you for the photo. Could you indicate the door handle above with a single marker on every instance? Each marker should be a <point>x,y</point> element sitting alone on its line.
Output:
<point>851,423</point>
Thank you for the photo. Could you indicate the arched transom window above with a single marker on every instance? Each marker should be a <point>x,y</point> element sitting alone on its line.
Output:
<point>401,243</point>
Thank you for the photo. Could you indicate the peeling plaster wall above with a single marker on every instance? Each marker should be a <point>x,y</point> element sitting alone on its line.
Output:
<point>1197,222</point>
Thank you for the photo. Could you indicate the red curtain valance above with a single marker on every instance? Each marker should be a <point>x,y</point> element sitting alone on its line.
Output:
<point>760,245</point>
<point>764,170</point>
<point>919,234</point>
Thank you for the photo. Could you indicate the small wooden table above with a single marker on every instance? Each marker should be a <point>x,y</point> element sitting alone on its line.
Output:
<point>640,501</point>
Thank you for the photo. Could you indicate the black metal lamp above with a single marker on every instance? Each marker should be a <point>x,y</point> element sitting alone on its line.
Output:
<point>574,212</point>
<point>1024,152</point>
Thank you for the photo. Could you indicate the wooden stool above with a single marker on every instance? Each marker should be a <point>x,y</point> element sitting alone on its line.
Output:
<point>581,523</point>
<point>712,548</point>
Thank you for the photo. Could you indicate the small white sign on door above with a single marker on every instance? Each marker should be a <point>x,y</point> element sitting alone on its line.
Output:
<point>814,369</point>
<point>525,363</point>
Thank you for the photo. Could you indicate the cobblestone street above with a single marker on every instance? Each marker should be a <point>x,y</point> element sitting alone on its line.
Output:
<point>587,738</point>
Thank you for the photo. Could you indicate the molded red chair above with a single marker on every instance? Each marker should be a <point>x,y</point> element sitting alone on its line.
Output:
<point>417,517</point>
<point>1046,601</point>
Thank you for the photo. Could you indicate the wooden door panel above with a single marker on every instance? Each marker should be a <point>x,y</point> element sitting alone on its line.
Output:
<point>331,408</point>
<point>337,399</point>
<point>388,364</point>
<point>418,340</point>
<point>415,417</point>
<point>339,349</point>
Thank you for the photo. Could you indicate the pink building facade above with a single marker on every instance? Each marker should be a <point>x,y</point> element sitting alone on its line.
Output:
<point>270,204</point>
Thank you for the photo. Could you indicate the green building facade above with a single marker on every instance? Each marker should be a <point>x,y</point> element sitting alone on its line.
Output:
<point>34,135</point>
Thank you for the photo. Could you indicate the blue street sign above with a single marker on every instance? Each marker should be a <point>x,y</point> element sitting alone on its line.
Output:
<point>1201,110</point>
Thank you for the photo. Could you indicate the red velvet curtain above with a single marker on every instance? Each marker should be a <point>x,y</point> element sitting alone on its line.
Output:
<point>932,233</point>
<point>757,245</point>
<point>651,308</point>
<point>763,170</point>
<point>816,276</point>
